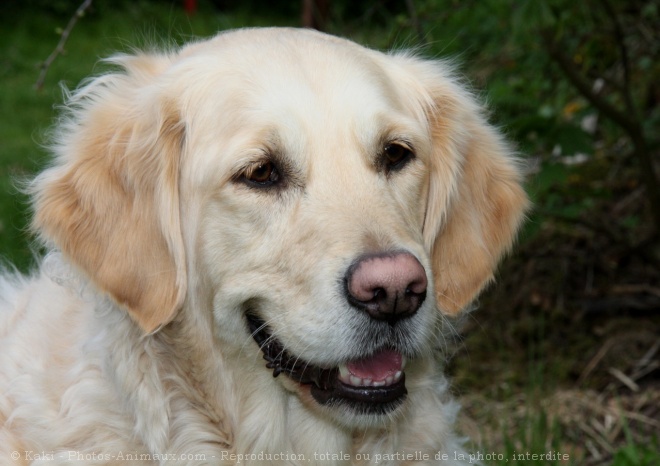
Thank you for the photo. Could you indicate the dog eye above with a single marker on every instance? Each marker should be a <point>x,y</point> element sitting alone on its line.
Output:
<point>262,174</point>
<point>396,156</point>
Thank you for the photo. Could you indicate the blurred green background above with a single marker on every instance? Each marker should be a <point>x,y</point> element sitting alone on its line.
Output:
<point>564,351</point>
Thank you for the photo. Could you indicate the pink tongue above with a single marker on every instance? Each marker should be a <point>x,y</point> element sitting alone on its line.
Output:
<point>377,367</point>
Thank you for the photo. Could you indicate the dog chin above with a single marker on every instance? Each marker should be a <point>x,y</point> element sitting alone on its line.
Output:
<point>352,415</point>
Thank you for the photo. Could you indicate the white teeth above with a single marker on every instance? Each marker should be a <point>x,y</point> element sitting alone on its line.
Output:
<point>356,381</point>
<point>403,362</point>
<point>347,378</point>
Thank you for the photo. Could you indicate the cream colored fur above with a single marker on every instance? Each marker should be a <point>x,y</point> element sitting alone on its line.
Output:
<point>131,338</point>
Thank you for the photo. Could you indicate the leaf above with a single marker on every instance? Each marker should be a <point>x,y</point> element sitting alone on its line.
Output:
<point>536,13</point>
<point>551,175</point>
<point>572,139</point>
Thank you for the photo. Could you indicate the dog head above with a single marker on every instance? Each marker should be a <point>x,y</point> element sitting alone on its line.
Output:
<point>309,199</point>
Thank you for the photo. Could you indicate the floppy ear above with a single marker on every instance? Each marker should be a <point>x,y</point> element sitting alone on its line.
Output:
<point>476,200</point>
<point>111,201</point>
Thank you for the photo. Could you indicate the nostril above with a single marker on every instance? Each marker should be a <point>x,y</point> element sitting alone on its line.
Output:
<point>417,286</point>
<point>388,286</point>
<point>379,295</point>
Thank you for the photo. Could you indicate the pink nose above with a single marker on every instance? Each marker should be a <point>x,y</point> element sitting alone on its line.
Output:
<point>388,286</point>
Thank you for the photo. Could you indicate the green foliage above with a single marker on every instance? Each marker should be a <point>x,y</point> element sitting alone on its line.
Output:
<point>636,454</point>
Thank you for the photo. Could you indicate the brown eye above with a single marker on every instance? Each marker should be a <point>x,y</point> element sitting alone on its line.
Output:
<point>396,156</point>
<point>262,174</point>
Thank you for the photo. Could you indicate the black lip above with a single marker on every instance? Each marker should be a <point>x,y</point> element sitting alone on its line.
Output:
<point>364,400</point>
<point>326,388</point>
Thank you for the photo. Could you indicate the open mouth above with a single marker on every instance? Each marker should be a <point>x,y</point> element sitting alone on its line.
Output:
<point>372,385</point>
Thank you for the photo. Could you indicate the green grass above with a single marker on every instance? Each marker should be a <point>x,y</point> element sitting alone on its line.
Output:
<point>535,443</point>
<point>635,454</point>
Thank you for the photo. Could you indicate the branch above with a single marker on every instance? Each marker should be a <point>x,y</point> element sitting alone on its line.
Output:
<point>60,45</point>
<point>628,123</point>
<point>623,51</point>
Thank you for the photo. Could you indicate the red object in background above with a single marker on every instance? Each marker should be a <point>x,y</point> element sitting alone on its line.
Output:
<point>190,6</point>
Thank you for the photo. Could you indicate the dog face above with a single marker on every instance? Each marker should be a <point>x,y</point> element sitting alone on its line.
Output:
<point>326,174</point>
<point>310,200</point>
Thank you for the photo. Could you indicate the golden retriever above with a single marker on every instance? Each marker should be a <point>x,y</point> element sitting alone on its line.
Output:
<point>257,244</point>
